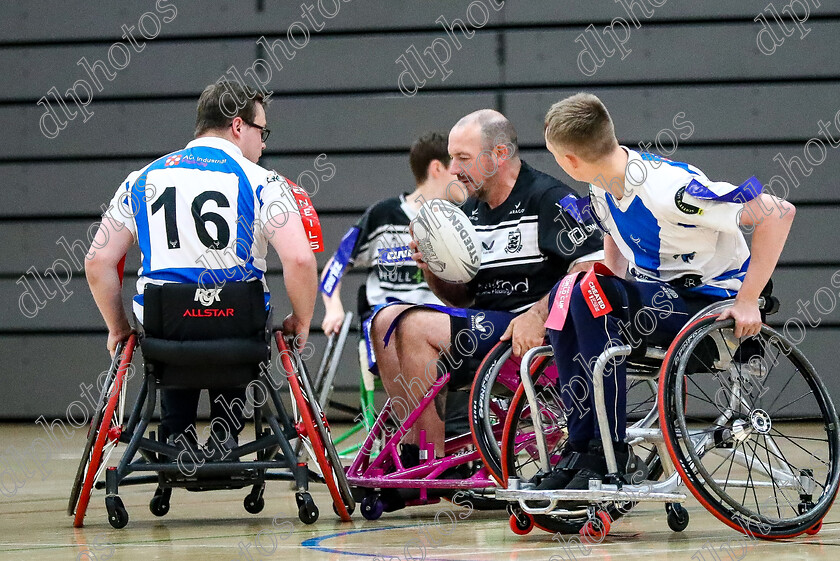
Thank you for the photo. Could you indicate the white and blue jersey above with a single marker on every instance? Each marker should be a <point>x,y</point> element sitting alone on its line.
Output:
<point>198,216</point>
<point>675,225</point>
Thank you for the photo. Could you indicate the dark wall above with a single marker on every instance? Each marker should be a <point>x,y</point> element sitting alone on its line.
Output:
<point>688,62</point>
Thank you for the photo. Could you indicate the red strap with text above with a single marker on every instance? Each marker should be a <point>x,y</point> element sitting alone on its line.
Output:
<point>593,293</point>
<point>311,222</point>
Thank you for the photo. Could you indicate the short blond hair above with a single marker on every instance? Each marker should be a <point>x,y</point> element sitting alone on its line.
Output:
<point>582,124</point>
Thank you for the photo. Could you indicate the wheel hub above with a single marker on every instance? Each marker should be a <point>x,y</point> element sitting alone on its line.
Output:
<point>760,421</point>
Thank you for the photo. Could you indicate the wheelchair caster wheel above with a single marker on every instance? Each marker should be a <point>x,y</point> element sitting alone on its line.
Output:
<point>117,514</point>
<point>813,530</point>
<point>522,524</point>
<point>372,507</point>
<point>677,516</point>
<point>596,528</point>
<point>307,511</point>
<point>349,510</point>
<point>159,505</point>
<point>254,505</point>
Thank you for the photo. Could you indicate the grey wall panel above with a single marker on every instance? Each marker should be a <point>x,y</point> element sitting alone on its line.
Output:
<point>796,288</point>
<point>55,366</point>
<point>68,188</point>
<point>46,20</point>
<point>45,373</point>
<point>735,164</point>
<point>719,113</point>
<point>61,188</point>
<point>729,52</point>
<point>543,11</point>
<point>316,124</point>
<point>327,63</point>
<point>34,243</point>
<point>189,67</point>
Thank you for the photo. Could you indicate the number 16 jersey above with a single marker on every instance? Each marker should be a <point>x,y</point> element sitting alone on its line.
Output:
<point>198,215</point>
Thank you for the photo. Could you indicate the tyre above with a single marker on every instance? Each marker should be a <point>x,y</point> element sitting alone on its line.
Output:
<point>103,434</point>
<point>750,428</point>
<point>313,427</point>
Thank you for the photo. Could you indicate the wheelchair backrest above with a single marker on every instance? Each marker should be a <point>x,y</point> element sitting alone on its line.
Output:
<point>197,337</point>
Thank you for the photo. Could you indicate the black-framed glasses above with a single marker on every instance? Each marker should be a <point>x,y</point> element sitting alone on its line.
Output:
<point>264,131</point>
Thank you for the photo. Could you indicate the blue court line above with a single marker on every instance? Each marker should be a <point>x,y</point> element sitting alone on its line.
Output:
<point>315,544</point>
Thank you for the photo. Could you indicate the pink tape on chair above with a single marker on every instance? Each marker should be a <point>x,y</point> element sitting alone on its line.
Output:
<point>560,309</point>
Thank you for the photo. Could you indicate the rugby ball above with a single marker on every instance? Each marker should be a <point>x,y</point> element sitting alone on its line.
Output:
<point>447,240</point>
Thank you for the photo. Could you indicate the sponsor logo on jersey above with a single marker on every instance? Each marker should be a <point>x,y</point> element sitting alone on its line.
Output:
<point>207,313</point>
<point>514,241</point>
<point>395,254</point>
<point>488,247</point>
<point>173,160</point>
<point>504,287</point>
<point>516,209</point>
<point>207,296</point>
<point>684,207</point>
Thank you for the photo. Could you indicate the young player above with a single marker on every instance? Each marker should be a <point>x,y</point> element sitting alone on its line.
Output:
<point>677,234</point>
<point>384,228</point>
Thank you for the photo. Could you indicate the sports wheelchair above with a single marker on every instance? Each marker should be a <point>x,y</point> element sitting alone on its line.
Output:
<point>223,344</point>
<point>471,467</point>
<point>746,424</point>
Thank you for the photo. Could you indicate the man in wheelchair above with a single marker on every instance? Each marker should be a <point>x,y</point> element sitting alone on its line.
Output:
<point>203,217</point>
<point>678,234</point>
<point>512,206</point>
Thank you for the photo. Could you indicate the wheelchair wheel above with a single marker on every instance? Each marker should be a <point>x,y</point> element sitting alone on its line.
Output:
<point>750,428</point>
<point>314,434</point>
<point>490,398</point>
<point>104,432</point>
<point>520,453</point>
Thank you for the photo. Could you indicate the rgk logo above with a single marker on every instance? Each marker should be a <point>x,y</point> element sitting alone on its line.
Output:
<point>207,296</point>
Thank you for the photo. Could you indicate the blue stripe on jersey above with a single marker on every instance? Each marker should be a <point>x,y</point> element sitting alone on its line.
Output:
<point>714,291</point>
<point>640,230</point>
<point>647,156</point>
<point>244,210</point>
<point>733,273</point>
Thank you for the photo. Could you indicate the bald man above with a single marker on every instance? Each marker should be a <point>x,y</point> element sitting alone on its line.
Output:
<point>526,248</point>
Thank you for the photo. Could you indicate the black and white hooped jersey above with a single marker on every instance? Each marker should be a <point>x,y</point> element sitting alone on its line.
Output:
<point>197,215</point>
<point>674,224</point>
<point>382,248</point>
<point>528,242</point>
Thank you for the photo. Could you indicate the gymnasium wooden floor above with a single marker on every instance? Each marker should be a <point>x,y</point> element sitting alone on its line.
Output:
<point>33,525</point>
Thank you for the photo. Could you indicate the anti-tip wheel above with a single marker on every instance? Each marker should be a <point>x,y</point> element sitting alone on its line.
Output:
<point>117,514</point>
<point>677,516</point>
<point>253,505</point>
<point>372,507</point>
<point>159,505</point>
<point>307,511</point>
<point>521,526</point>
<point>596,529</point>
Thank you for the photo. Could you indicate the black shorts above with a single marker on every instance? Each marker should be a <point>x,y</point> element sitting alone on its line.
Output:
<point>472,337</point>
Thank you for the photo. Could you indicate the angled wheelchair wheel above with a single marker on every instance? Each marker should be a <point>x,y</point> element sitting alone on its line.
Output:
<point>314,433</point>
<point>520,448</point>
<point>490,398</point>
<point>103,433</point>
<point>750,428</point>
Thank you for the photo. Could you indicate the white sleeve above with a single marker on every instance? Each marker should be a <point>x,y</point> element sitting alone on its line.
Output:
<point>707,213</point>
<point>277,201</point>
<point>124,206</point>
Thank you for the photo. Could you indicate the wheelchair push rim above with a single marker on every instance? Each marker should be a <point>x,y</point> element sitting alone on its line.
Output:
<point>748,465</point>
<point>104,432</point>
<point>309,432</point>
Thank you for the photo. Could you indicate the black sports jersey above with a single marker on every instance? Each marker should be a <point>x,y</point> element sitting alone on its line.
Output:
<point>384,226</point>
<point>528,242</point>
